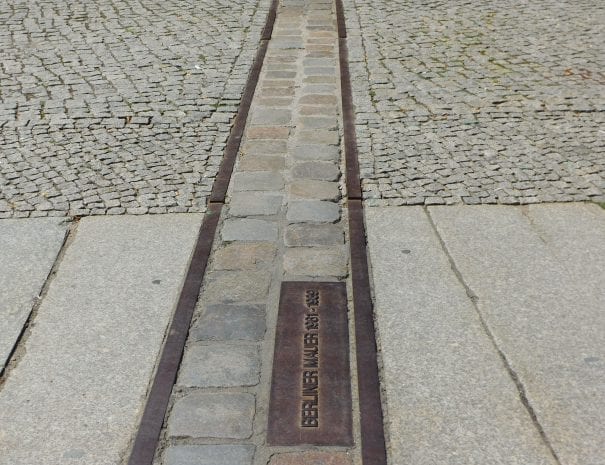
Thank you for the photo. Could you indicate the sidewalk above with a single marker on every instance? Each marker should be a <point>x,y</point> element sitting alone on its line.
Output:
<point>489,323</point>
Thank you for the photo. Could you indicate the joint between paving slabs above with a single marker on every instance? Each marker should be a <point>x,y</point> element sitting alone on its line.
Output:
<point>18,350</point>
<point>504,359</point>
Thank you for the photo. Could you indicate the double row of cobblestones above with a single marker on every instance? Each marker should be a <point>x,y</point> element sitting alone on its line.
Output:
<point>119,107</point>
<point>282,221</point>
<point>490,103</point>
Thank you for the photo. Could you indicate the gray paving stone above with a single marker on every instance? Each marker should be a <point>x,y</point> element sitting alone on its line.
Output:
<point>316,152</point>
<point>437,356</point>
<point>316,190</point>
<point>317,136</point>
<point>316,211</point>
<point>265,147</point>
<point>318,122</point>
<point>318,99</point>
<point>236,287</point>
<point>244,256</point>
<point>29,250</point>
<point>316,261</point>
<point>220,365</point>
<point>107,319</point>
<point>300,235</point>
<point>268,132</point>
<point>258,181</point>
<point>321,171</point>
<point>206,415</point>
<point>250,204</point>
<point>271,116</point>
<point>261,163</point>
<point>230,322</point>
<point>252,230</point>
<point>545,316</point>
<point>231,454</point>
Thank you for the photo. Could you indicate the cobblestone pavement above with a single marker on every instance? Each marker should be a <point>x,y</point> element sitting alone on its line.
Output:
<point>494,102</point>
<point>111,107</point>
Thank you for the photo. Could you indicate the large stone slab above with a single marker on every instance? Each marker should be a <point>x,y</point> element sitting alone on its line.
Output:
<point>77,393</point>
<point>449,398</point>
<point>29,249</point>
<point>540,285</point>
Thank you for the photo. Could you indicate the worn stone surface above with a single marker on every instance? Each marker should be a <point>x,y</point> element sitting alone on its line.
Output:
<point>545,317</point>
<point>313,211</point>
<point>249,230</point>
<point>316,152</point>
<point>316,170</point>
<point>89,357</point>
<point>236,286</point>
<point>220,365</point>
<point>251,204</point>
<point>113,107</point>
<point>29,250</point>
<point>212,415</point>
<point>243,256</point>
<point>265,147</point>
<point>316,261</point>
<point>230,322</point>
<point>498,103</point>
<point>231,454</point>
<point>258,181</point>
<point>311,458</point>
<point>450,398</point>
<point>313,189</point>
<point>300,235</point>
<point>266,163</point>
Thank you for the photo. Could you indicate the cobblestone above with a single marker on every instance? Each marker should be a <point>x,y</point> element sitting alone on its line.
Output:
<point>498,103</point>
<point>121,99</point>
<point>312,211</point>
<point>249,230</point>
<point>230,322</point>
<point>316,170</point>
<point>250,204</point>
<point>220,365</point>
<point>243,256</point>
<point>298,235</point>
<point>209,415</point>
<point>209,455</point>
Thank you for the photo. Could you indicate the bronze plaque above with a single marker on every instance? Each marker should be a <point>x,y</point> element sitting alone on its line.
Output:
<point>311,385</point>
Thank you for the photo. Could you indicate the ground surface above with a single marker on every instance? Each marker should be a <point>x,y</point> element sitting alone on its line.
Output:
<point>490,322</point>
<point>491,328</point>
<point>118,107</point>
<point>489,102</point>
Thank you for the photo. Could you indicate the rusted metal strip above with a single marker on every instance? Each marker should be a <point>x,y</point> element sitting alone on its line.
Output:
<point>348,118</point>
<point>311,385</point>
<point>373,447</point>
<point>144,447</point>
<point>268,29</point>
<point>340,20</point>
<point>221,183</point>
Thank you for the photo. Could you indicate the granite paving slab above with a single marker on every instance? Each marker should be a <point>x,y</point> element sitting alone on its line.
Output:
<point>29,250</point>
<point>76,394</point>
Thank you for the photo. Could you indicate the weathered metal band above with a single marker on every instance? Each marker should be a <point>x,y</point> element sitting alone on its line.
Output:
<point>373,447</point>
